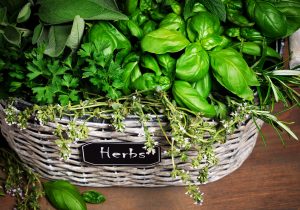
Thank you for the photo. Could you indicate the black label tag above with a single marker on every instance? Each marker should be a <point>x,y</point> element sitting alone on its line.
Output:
<point>125,154</point>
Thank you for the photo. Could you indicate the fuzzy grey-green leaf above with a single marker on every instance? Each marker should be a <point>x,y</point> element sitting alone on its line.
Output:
<point>76,34</point>
<point>58,36</point>
<point>24,14</point>
<point>54,11</point>
<point>12,35</point>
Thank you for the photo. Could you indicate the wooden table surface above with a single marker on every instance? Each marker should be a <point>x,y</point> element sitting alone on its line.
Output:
<point>269,179</point>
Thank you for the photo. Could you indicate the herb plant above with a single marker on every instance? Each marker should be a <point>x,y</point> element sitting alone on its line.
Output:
<point>188,60</point>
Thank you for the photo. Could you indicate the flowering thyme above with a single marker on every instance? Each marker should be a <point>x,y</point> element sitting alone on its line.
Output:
<point>20,181</point>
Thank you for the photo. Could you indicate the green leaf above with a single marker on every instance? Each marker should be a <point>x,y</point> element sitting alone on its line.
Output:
<point>285,73</point>
<point>216,7</point>
<point>63,99</point>
<point>58,36</point>
<point>271,21</point>
<point>54,11</point>
<point>12,35</point>
<point>162,41</point>
<point>76,33</point>
<point>287,129</point>
<point>1,191</point>
<point>24,14</point>
<point>44,94</point>
<point>193,64</point>
<point>69,81</point>
<point>34,74</point>
<point>40,34</point>
<point>18,74</point>
<point>231,71</point>
<point>74,96</point>
<point>86,50</point>
<point>3,16</point>
<point>14,86</point>
<point>63,195</point>
<point>188,8</point>
<point>92,196</point>
<point>186,95</point>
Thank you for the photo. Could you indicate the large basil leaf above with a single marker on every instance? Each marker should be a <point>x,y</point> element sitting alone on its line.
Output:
<point>105,33</point>
<point>149,81</point>
<point>130,74</point>
<point>162,41</point>
<point>203,86</point>
<point>54,11</point>
<point>188,8</point>
<point>173,22</point>
<point>291,9</point>
<point>64,196</point>
<point>168,64</point>
<point>186,95</point>
<point>270,20</point>
<point>149,62</point>
<point>216,7</point>
<point>232,71</point>
<point>193,65</point>
<point>202,25</point>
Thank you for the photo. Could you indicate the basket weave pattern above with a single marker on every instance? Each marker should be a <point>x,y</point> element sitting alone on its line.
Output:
<point>36,147</point>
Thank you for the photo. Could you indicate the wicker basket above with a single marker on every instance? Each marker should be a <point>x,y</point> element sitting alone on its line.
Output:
<point>35,146</point>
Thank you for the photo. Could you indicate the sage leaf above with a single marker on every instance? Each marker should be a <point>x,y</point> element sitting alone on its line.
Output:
<point>76,34</point>
<point>54,11</point>
<point>12,35</point>
<point>58,36</point>
<point>64,196</point>
<point>40,34</point>
<point>93,197</point>
<point>24,14</point>
<point>216,7</point>
<point>3,17</point>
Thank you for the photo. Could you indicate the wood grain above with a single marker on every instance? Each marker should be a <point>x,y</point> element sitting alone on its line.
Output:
<point>269,179</point>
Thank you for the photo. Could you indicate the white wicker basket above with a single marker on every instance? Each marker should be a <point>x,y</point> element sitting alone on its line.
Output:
<point>37,149</point>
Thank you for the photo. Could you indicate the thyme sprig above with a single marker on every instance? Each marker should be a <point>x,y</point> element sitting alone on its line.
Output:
<point>20,181</point>
<point>186,130</point>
